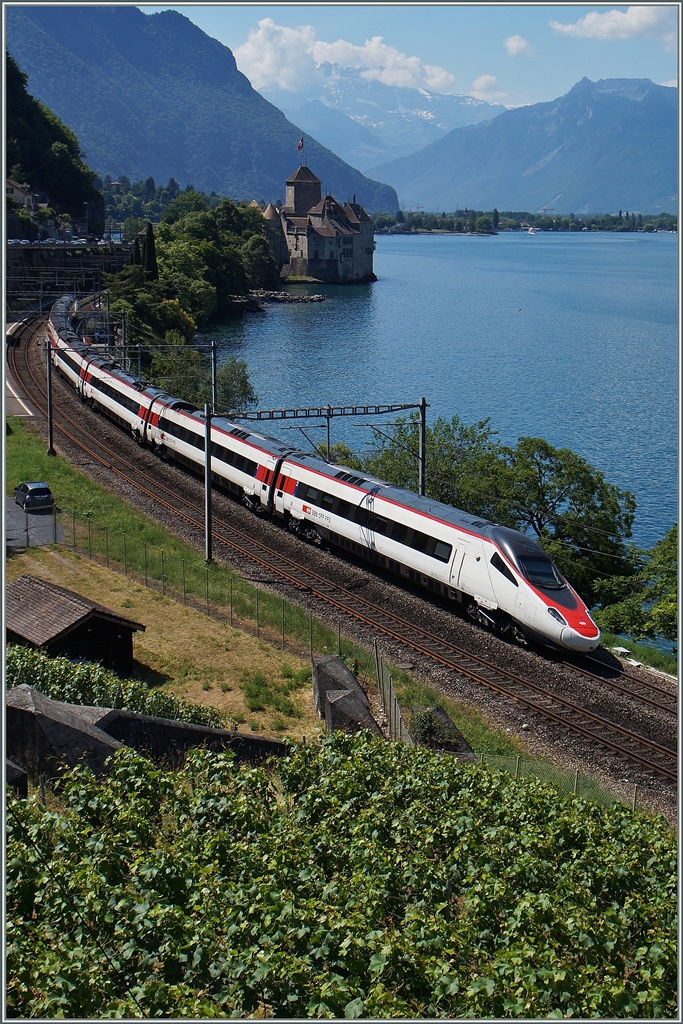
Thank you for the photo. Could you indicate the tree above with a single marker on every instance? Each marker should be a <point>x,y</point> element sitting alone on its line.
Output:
<point>579,518</point>
<point>649,607</point>
<point>179,370</point>
<point>150,255</point>
<point>137,255</point>
<point>234,388</point>
<point>259,264</point>
<point>483,225</point>
<point>496,219</point>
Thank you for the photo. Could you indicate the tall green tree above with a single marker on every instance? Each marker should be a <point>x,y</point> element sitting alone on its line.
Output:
<point>150,255</point>
<point>649,605</point>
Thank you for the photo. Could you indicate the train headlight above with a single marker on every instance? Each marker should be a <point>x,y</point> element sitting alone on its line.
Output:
<point>557,616</point>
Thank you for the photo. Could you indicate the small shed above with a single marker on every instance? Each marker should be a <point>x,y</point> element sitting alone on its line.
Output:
<point>40,614</point>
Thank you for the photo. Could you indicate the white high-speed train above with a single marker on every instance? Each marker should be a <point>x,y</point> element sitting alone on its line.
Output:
<point>503,578</point>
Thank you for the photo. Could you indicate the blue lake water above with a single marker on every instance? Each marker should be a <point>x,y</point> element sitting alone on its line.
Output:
<point>569,337</point>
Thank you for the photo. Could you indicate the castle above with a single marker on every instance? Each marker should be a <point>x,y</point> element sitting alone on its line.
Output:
<point>317,237</point>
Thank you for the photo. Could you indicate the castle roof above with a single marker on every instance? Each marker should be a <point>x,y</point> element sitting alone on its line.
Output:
<point>356,214</point>
<point>270,213</point>
<point>302,174</point>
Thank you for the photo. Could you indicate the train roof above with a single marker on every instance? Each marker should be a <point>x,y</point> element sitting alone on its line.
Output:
<point>399,495</point>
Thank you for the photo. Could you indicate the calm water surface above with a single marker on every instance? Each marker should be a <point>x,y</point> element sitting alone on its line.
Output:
<point>568,337</point>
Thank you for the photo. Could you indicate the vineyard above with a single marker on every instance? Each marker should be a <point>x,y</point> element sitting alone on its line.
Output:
<point>355,878</point>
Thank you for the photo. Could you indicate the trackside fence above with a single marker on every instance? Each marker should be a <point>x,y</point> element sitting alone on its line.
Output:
<point>225,596</point>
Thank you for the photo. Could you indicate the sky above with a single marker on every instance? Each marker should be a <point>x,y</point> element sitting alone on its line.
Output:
<point>511,54</point>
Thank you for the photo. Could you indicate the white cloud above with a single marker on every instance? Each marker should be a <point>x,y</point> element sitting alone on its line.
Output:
<point>274,55</point>
<point>486,88</point>
<point>517,46</point>
<point>633,23</point>
<point>671,84</point>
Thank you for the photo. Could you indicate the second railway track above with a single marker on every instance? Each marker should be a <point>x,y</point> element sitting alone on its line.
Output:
<point>597,730</point>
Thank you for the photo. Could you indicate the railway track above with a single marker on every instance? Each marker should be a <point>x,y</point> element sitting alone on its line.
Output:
<point>599,731</point>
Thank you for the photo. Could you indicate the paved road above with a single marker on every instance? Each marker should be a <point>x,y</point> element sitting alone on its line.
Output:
<point>30,529</point>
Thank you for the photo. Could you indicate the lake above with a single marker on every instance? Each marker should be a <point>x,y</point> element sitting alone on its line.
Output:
<point>569,337</point>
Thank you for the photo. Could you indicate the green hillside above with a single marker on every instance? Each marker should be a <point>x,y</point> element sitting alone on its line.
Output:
<point>154,95</point>
<point>45,153</point>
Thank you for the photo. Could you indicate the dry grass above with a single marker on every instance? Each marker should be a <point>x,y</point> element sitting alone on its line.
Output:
<point>182,650</point>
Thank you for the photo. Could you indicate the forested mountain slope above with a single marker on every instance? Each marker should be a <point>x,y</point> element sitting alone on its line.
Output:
<point>154,95</point>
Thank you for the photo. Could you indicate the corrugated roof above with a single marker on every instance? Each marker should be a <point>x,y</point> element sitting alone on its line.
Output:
<point>41,612</point>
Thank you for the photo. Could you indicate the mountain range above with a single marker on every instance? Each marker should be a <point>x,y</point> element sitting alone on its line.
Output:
<point>367,122</point>
<point>154,95</point>
<point>602,147</point>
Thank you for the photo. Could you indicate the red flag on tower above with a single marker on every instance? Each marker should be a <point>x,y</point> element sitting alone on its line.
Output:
<point>300,144</point>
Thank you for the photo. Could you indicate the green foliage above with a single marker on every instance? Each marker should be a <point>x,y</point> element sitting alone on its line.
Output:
<point>149,256</point>
<point>356,878</point>
<point>233,386</point>
<point>261,692</point>
<point>649,605</point>
<point>581,520</point>
<point>95,686</point>
<point>200,258</point>
<point>483,225</point>
<point>44,152</point>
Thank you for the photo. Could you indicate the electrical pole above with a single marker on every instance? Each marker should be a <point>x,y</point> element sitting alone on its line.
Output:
<point>50,449</point>
<point>207,483</point>
<point>423,445</point>
<point>214,377</point>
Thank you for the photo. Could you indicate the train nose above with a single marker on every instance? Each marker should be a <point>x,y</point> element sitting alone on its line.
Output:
<point>576,642</point>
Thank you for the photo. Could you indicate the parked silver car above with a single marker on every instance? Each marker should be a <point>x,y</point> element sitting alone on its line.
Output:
<point>34,496</point>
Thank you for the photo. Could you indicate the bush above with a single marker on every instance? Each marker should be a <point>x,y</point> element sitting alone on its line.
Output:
<point>92,685</point>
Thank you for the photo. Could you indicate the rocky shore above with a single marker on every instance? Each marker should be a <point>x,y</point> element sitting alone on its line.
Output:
<point>265,296</point>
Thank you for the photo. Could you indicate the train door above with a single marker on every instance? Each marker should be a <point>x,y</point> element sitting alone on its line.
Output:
<point>456,565</point>
<point>367,536</point>
<point>280,485</point>
<point>265,486</point>
<point>474,575</point>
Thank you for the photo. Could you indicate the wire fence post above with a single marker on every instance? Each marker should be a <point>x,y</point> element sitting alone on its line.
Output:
<point>257,613</point>
<point>207,590</point>
<point>26,526</point>
<point>635,796</point>
<point>42,790</point>
<point>283,623</point>
<point>576,781</point>
<point>163,584</point>
<point>54,525</point>
<point>310,621</point>
<point>517,767</point>
<point>125,561</point>
<point>73,528</point>
<point>184,591</point>
<point>339,639</point>
<point>106,546</point>
<point>231,600</point>
<point>144,547</point>
<point>89,545</point>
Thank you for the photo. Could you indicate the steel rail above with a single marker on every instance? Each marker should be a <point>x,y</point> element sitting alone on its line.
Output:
<point>390,624</point>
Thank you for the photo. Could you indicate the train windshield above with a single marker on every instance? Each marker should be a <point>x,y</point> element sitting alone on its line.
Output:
<point>541,572</point>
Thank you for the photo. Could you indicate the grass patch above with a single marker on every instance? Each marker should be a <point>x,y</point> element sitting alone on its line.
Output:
<point>478,733</point>
<point>642,652</point>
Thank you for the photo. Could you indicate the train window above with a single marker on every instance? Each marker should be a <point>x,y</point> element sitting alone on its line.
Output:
<point>379,524</point>
<point>541,572</point>
<point>327,501</point>
<point>311,494</point>
<point>419,541</point>
<point>498,563</point>
<point>398,533</point>
<point>442,551</point>
<point>344,509</point>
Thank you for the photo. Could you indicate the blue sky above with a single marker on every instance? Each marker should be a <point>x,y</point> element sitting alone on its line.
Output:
<point>509,53</point>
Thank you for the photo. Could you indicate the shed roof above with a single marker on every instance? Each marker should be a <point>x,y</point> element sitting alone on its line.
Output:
<point>41,612</point>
